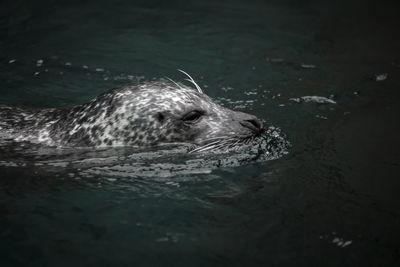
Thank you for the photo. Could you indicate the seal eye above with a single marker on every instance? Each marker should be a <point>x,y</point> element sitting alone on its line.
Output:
<point>192,116</point>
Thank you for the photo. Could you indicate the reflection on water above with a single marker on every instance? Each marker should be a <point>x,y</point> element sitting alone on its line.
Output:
<point>326,73</point>
<point>168,160</point>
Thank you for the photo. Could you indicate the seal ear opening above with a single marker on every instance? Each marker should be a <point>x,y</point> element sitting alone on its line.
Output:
<point>160,117</point>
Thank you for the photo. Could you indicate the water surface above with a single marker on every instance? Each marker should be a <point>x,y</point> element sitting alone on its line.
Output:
<point>332,200</point>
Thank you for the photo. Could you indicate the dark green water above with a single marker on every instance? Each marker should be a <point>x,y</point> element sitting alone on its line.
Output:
<point>332,201</point>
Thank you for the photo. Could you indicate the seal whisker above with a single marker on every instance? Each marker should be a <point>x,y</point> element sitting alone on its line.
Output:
<point>221,142</point>
<point>219,146</point>
<point>173,82</point>
<point>192,81</point>
<point>197,149</point>
<point>216,138</point>
<point>207,146</point>
<point>210,144</point>
<point>202,148</point>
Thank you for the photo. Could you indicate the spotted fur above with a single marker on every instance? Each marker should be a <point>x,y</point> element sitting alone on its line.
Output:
<point>143,114</point>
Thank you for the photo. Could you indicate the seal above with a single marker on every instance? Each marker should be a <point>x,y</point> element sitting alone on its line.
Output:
<point>141,114</point>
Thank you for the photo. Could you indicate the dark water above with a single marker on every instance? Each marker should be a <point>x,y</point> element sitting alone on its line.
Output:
<point>332,201</point>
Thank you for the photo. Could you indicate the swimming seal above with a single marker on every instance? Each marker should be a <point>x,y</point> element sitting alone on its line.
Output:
<point>142,114</point>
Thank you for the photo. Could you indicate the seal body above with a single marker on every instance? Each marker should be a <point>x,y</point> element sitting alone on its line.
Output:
<point>142,114</point>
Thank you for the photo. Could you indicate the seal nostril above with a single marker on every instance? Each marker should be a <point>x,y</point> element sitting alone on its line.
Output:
<point>256,123</point>
<point>253,124</point>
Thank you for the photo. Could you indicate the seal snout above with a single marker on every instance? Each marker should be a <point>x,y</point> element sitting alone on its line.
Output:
<point>253,124</point>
